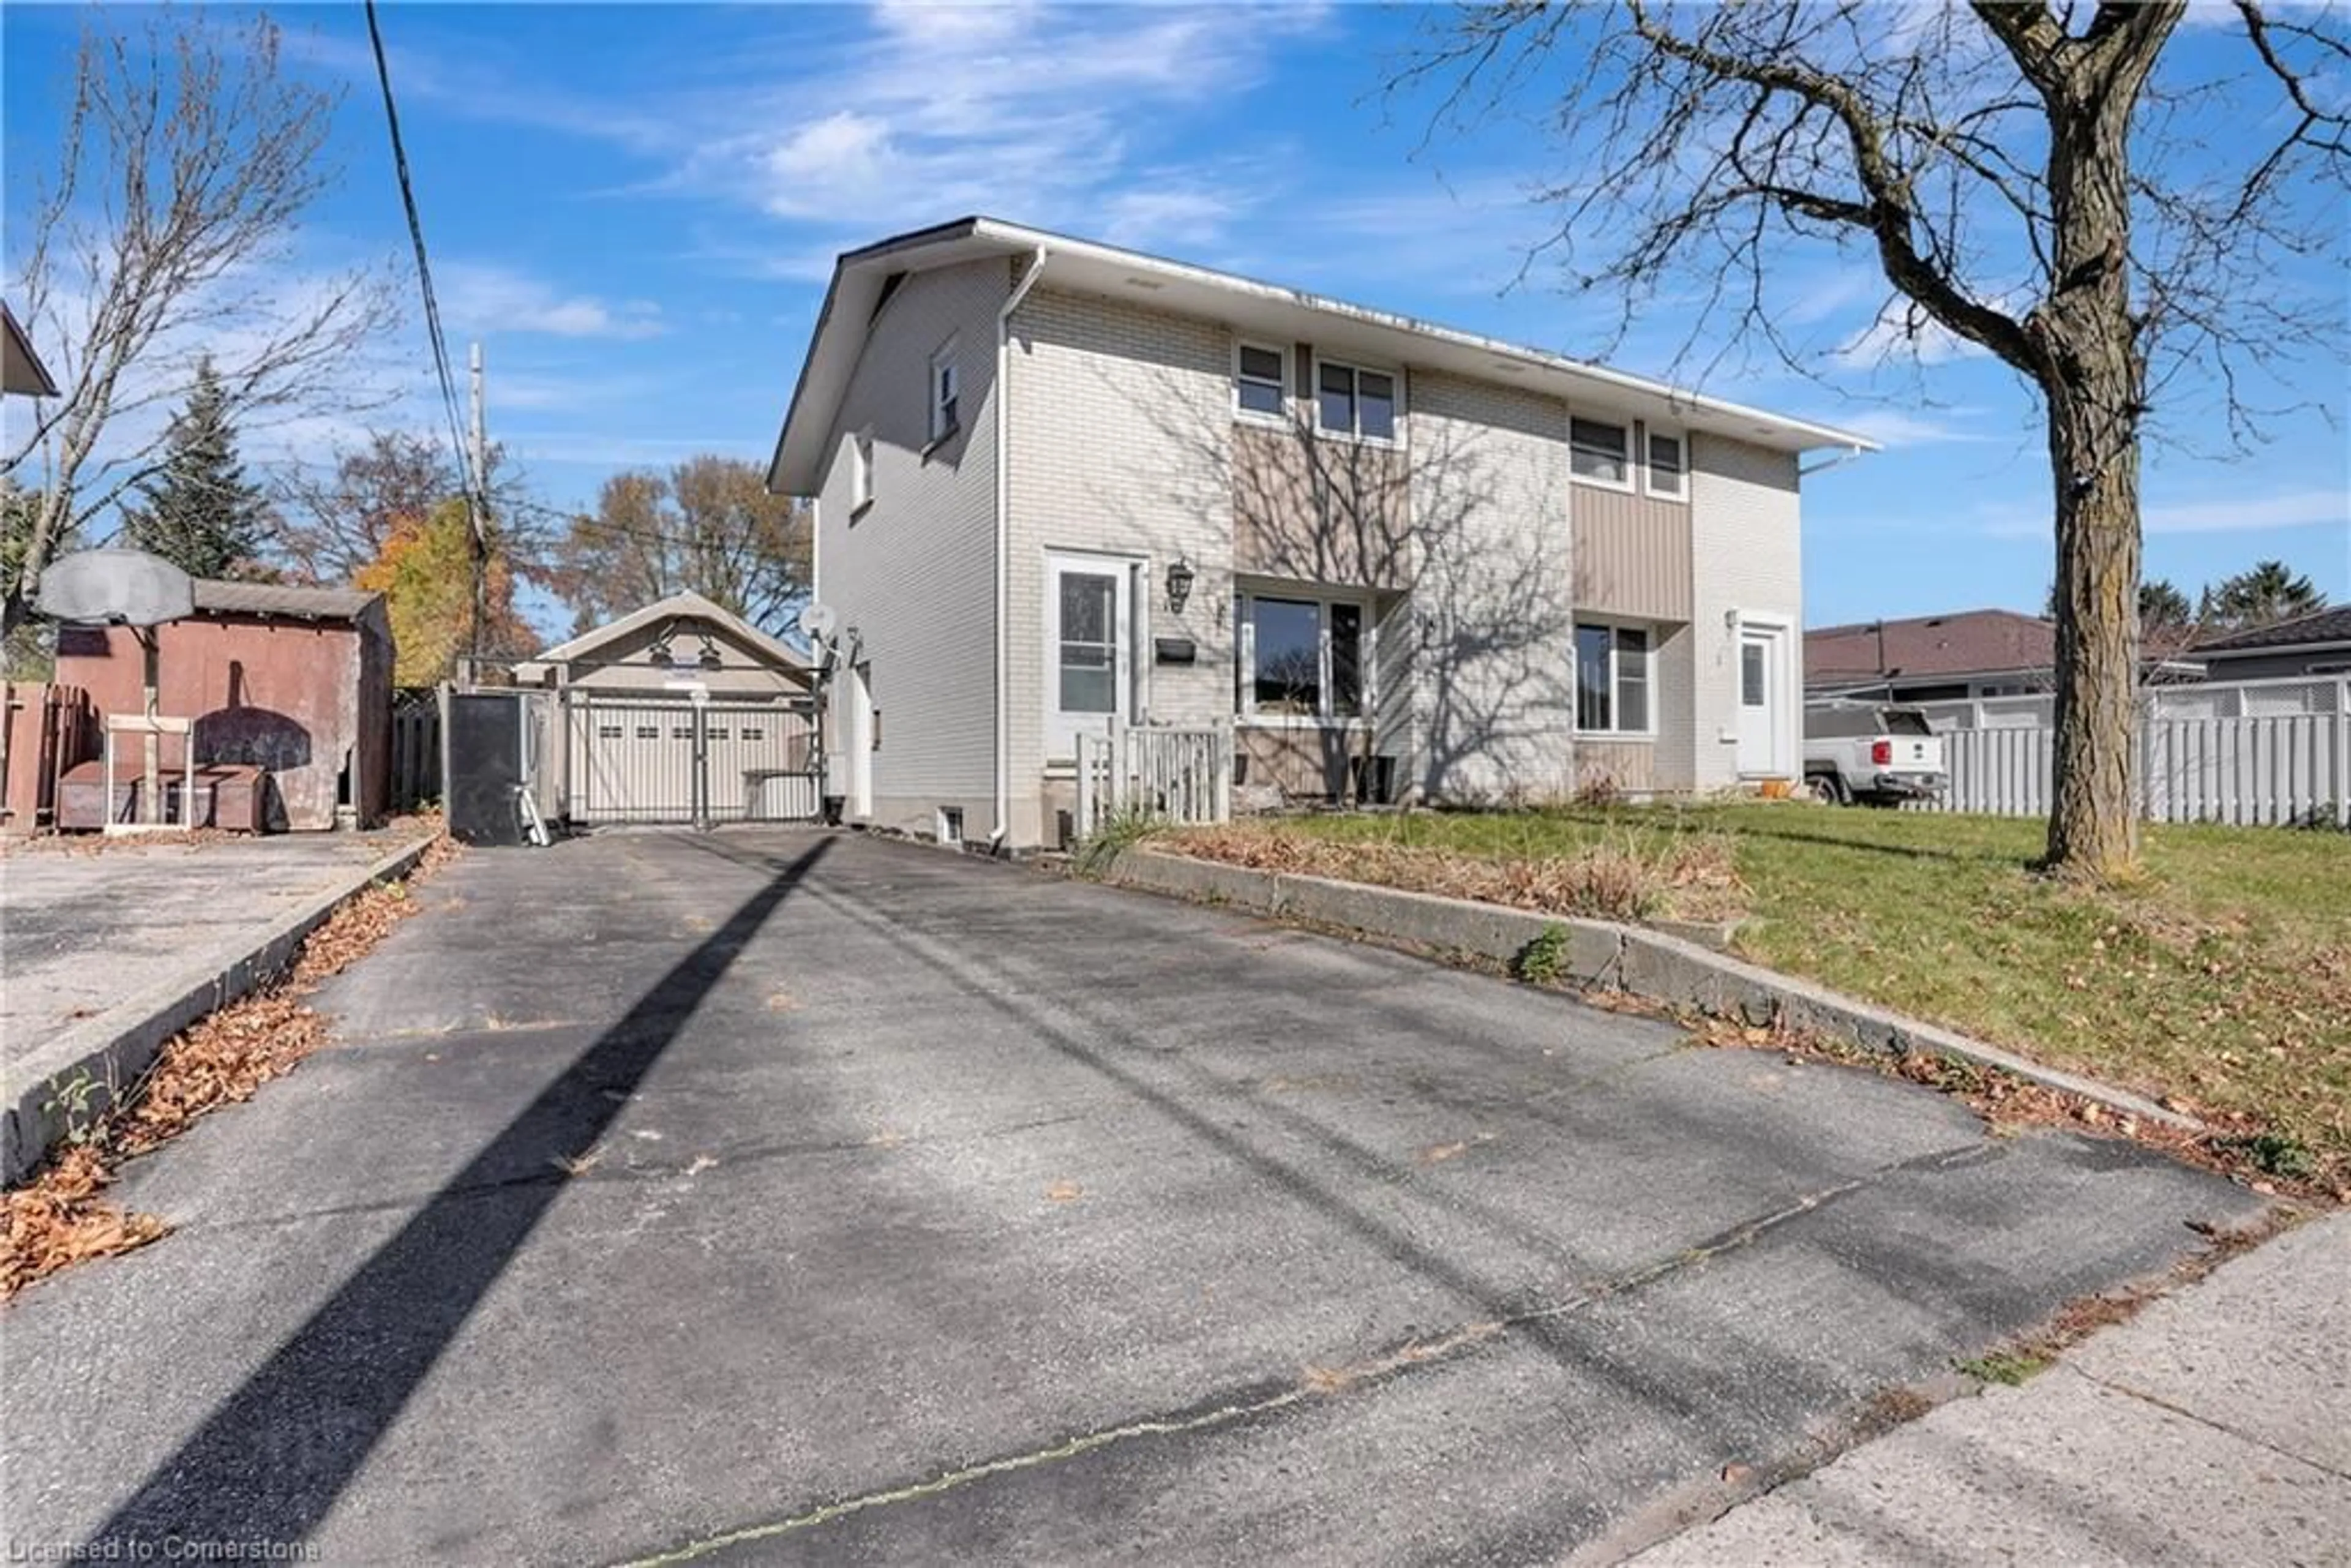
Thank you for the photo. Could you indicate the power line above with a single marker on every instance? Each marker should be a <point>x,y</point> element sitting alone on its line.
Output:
<point>477,503</point>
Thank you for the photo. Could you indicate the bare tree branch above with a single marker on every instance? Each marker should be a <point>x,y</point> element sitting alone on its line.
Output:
<point>187,162</point>
<point>2049,182</point>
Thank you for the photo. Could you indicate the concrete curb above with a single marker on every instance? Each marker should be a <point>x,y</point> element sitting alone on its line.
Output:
<point>1598,955</point>
<point>76,1075</point>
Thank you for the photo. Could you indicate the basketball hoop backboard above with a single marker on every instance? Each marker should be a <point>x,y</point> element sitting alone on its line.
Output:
<point>116,587</point>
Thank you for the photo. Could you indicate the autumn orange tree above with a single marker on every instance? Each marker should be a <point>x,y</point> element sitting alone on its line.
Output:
<point>424,571</point>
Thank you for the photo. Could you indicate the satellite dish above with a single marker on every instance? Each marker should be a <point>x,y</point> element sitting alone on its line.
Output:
<point>116,587</point>
<point>817,622</point>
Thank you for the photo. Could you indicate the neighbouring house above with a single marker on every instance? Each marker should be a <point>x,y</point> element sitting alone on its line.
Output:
<point>21,374</point>
<point>1960,657</point>
<point>682,711</point>
<point>290,690</point>
<point>1933,658</point>
<point>1063,488</point>
<point>2318,644</point>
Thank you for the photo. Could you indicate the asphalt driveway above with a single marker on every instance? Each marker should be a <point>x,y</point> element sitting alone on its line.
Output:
<point>788,1195</point>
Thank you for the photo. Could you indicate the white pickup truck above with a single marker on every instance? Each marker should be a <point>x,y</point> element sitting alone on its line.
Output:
<point>1878,754</point>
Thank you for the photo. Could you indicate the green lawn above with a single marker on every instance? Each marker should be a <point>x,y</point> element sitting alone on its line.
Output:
<point>2223,982</point>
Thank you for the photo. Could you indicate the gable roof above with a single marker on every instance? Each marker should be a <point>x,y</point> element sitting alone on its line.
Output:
<point>677,607</point>
<point>21,369</point>
<point>1929,647</point>
<point>2320,628</point>
<point>863,279</point>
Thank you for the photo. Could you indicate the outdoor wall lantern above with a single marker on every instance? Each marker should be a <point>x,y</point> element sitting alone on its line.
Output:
<point>710,659</point>
<point>660,655</point>
<point>1179,583</point>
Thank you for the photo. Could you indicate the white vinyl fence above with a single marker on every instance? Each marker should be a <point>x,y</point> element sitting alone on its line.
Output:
<point>1173,775</point>
<point>2277,754</point>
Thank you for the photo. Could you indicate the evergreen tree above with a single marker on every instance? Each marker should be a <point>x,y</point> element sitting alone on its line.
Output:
<point>199,512</point>
<point>2268,592</point>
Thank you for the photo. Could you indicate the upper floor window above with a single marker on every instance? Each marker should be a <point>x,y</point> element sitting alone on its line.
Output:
<point>1668,466</point>
<point>1258,380</point>
<point>860,471</point>
<point>945,417</point>
<point>1600,452</point>
<point>1354,402</point>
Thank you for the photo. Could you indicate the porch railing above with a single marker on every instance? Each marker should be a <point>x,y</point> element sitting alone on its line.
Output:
<point>1169,775</point>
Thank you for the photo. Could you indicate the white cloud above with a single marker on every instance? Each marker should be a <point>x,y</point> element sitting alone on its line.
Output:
<point>2246,514</point>
<point>2288,509</point>
<point>489,297</point>
<point>1903,331</point>
<point>1045,116</point>
<point>1899,427</point>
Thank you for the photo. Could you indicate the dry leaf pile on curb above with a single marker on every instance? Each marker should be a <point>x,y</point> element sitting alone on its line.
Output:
<point>2006,1101</point>
<point>61,1215</point>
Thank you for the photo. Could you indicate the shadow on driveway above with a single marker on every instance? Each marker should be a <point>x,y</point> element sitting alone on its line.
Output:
<point>270,1462</point>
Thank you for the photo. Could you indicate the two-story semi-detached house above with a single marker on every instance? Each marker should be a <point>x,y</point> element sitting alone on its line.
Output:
<point>1062,486</point>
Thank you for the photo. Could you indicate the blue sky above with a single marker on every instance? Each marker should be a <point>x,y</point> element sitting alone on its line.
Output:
<point>634,209</point>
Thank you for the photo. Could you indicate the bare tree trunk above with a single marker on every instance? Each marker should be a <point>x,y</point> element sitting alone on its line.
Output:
<point>2093,814</point>
<point>2092,372</point>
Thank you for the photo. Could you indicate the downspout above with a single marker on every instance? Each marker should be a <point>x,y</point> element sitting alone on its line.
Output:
<point>1004,551</point>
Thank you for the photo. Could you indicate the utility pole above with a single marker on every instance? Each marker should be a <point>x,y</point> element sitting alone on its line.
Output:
<point>477,509</point>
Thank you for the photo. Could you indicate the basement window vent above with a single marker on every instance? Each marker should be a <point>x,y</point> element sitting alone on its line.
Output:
<point>951,826</point>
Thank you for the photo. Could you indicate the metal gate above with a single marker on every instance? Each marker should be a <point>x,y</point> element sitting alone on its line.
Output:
<point>690,762</point>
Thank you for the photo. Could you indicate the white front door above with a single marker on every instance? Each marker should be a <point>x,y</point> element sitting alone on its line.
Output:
<point>1089,671</point>
<point>1762,702</point>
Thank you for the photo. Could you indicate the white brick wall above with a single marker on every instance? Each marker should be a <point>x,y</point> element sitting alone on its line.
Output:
<point>1120,419</point>
<point>1120,426</point>
<point>1496,671</point>
<point>1747,556</point>
<point>915,573</point>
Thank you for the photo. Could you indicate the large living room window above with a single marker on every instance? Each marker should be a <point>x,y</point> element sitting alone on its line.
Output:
<point>1612,680</point>
<point>1299,657</point>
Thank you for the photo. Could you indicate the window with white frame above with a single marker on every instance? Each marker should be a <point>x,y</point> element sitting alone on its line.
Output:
<point>860,471</point>
<point>945,417</point>
<point>1612,680</point>
<point>1668,465</point>
<point>1352,401</point>
<point>1298,657</point>
<point>1258,375</point>
<point>1600,452</point>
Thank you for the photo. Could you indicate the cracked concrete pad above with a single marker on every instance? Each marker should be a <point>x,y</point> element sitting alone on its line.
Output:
<point>2063,1469</point>
<point>2263,1348</point>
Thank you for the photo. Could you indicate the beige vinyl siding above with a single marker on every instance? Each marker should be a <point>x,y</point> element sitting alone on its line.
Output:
<point>1631,555</point>
<point>915,572</point>
<point>1121,444</point>
<point>1629,765</point>
<point>1745,540</point>
<point>1496,669</point>
<point>1319,508</point>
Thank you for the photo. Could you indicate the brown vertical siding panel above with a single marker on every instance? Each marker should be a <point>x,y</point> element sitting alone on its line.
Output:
<point>1632,554</point>
<point>1629,763</point>
<point>1320,510</point>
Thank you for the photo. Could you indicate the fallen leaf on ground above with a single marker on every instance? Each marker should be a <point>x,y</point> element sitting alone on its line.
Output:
<point>1064,1191</point>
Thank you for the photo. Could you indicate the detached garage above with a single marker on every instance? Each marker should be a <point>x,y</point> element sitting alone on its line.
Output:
<point>680,712</point>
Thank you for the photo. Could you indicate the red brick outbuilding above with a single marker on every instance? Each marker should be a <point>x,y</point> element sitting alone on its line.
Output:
<point>295,683</point>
